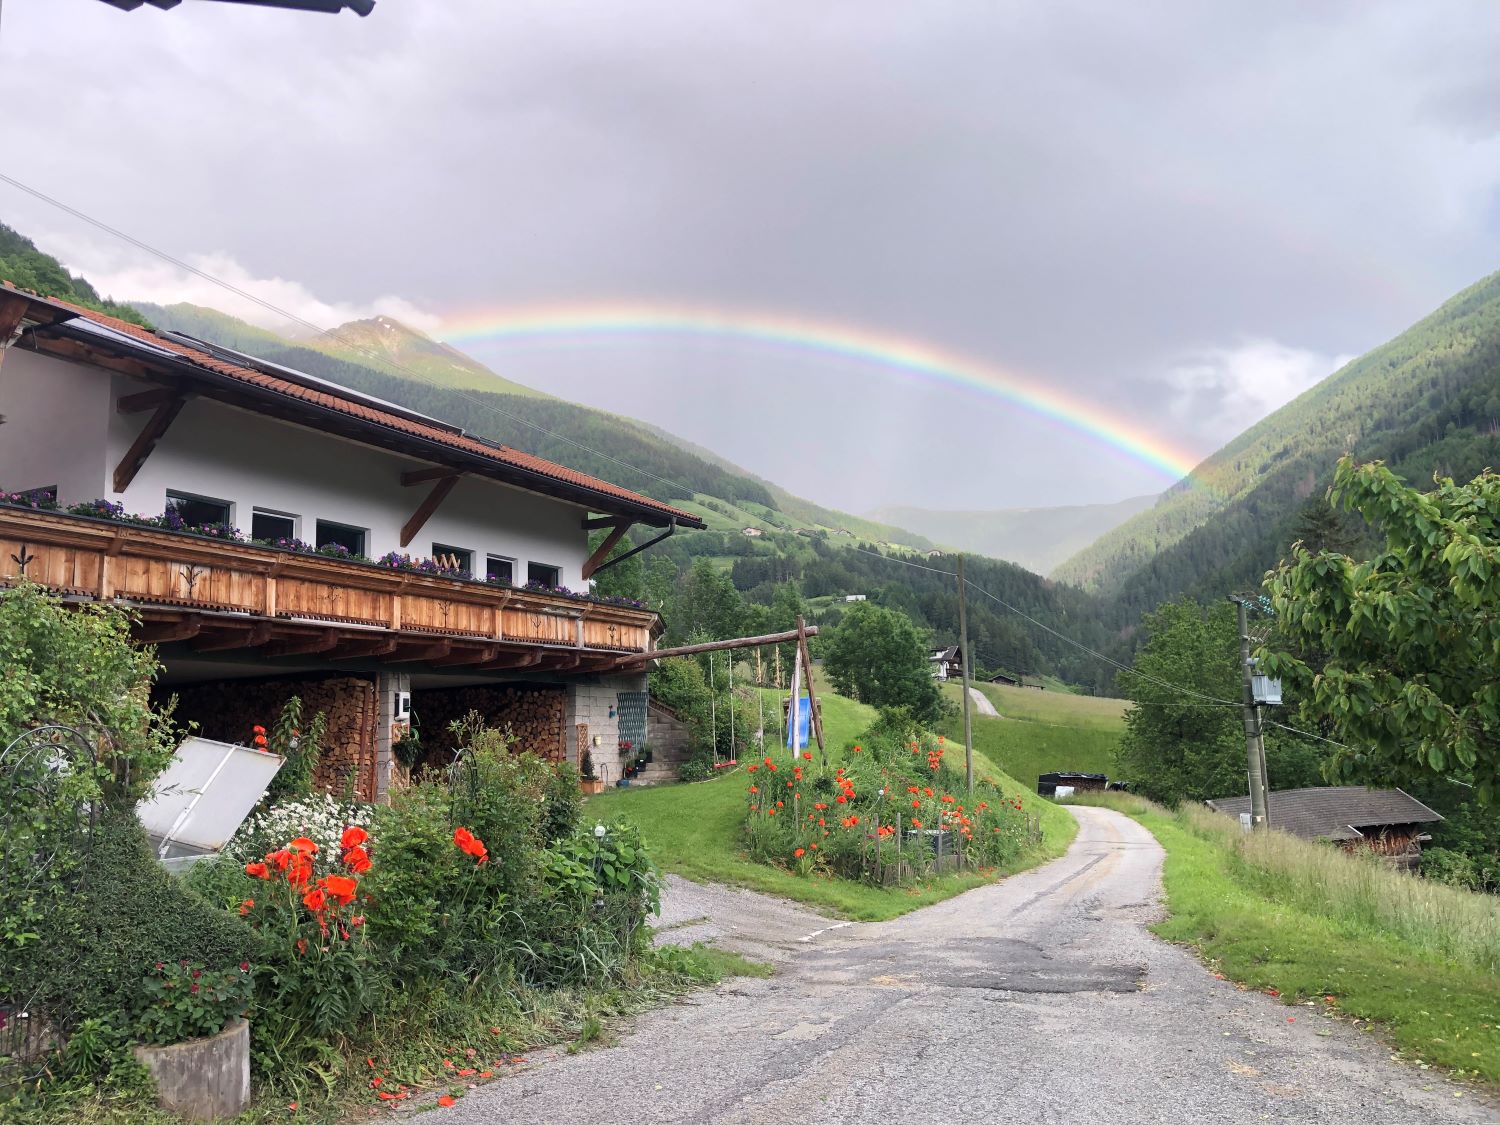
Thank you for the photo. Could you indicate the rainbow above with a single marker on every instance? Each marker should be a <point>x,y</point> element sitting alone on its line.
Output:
<point>912,359</point>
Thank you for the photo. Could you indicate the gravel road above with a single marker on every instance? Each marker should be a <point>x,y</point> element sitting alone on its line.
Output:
<point>983,705</point>
<point>1040,999</point>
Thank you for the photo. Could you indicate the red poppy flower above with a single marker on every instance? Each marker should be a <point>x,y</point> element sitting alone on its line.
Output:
<point>257,870</point>
<point>357,860</point>
<point>470,844</point>
<point>340,887</point>
<point>304,845</point>
<point>353,837</point>
<point>315,900</point>
<point>279,859</point>
<point>299,870</point>
<point>446,1100</point>
<point>246,906</point>
<point>799,853</point>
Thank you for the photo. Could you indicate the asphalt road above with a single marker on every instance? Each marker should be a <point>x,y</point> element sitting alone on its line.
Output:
<point>1039,999</point>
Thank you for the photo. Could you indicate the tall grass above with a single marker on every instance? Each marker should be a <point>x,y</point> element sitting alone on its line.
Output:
<point>1358,892</point>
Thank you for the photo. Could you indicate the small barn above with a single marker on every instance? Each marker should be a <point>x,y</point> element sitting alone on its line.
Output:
<point>1006,679</point>
<point>1048,783</point>
<point>1385,821</point>
<point>753,532</point>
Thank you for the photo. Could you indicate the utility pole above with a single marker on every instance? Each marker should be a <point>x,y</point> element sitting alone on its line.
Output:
<point>963,652</point>
<point>1255,747</point>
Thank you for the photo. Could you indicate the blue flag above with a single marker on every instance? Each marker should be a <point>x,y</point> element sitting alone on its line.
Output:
<point>804,724</point>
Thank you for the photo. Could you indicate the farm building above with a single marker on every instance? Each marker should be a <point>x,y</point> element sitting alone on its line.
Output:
<point>1386,821</point>
<point>1005,679</point>
<point>334,590</point>
<point>1049,783</point>
<point>754,532</point>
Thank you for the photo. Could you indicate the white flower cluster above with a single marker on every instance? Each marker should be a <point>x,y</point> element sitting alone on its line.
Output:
<point>321,818</point>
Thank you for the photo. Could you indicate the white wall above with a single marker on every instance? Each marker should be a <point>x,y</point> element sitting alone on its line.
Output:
<point>56,414</point>
<point>224,453</point>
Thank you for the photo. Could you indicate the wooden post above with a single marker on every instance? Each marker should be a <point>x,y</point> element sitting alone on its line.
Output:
<point>963,652</point>
<point>793,711</point>
<point>812,693</point>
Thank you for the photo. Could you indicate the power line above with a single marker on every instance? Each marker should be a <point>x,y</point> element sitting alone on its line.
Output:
<point>354,345</point>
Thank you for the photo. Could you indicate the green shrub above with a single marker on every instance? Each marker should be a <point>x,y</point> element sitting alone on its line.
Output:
<point>129,915</point>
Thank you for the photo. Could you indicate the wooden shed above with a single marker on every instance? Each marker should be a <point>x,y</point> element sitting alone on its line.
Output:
<point>1385,821</point>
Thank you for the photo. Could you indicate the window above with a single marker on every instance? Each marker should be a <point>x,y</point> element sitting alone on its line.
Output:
<point>272,526</point>
<point>452,558</point>
<point>197,511</point>
<point>543,574</point>
<point>330,534</point>
<point>498,568</point>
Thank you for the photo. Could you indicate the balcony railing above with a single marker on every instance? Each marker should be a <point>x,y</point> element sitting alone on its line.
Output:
<point>164,572</point>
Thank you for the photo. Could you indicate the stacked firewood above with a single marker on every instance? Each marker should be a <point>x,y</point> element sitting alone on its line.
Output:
<point>533,713</point>
<point>228,711</point>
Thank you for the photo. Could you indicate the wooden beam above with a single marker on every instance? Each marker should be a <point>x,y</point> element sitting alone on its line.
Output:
<point>421,655</point>
<point>621,527</point>
<point>422,476</point>
<point>719,646</point>
<point>251,636</point>
<point>354,648</point>
<point>145,442</point>
<point>482,655</point>
<point>13,307</point>
<point>562,662</point>
<point>424,511</point>
<point>165,632</point>
<point>511,661</point>
<point>310,644</point>
<point>145,400</point>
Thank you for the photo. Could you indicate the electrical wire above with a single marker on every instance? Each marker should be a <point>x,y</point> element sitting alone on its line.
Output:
<point>354,345</point>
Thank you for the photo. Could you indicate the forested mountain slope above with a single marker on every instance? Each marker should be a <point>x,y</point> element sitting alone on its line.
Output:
<point>1427,401</point>
<point>1036,538</point>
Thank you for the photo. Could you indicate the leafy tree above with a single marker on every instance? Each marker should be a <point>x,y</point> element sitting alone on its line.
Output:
<point>1410,639</point>
<point>878,657</point>
<point>1182,747</point>
<point>706,604</point>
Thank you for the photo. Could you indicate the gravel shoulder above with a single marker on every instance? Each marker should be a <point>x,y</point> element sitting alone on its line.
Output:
<point>1042,997</point>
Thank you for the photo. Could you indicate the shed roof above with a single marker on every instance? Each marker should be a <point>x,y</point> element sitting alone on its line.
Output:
<point>1330,812</point>
<point>376,423</point>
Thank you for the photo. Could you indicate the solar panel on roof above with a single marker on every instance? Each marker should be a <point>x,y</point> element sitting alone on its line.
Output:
<point>316,382</point>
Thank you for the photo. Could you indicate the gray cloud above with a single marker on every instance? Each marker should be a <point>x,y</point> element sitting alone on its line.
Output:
<point>1099,195</point>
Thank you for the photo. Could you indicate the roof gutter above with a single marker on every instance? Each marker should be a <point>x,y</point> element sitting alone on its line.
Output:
<point>671,528</point>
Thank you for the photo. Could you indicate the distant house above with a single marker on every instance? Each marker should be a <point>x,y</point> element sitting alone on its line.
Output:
<point>934,554</point>
<point>1385,821</point>
<point>1049,783</point>
<point>845,532</point>
<point>854,597</point>
<point>947,662</point>
<point>754,532</point>
<point>1006,679</point>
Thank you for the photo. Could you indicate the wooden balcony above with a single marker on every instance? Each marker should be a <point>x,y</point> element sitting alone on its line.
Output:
<point>219,596</point>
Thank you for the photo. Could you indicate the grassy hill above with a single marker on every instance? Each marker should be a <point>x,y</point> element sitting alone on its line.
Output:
<point>1427,401</point>
<point>1036,538</point>
<point>1044,731</point>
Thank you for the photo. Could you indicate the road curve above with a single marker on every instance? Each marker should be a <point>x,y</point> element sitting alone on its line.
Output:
<point>983,705</point>
<point>1040,999</point>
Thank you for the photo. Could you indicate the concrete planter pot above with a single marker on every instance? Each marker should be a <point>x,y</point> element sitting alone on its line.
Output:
<point>203,1079</point>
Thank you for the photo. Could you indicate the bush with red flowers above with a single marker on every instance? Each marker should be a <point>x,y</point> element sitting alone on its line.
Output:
<point>187,1000</point>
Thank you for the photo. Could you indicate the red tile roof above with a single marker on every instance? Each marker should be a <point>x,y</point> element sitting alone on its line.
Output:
<point>354,408</point>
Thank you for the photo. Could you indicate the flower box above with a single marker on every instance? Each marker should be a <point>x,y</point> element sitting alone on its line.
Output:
<point>591,784</point>
<point>203,1079</point>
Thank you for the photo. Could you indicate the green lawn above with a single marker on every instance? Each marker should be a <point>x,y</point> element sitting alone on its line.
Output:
<point>694,830</point>
<point>1378,962</point>
<point>1043,732</point>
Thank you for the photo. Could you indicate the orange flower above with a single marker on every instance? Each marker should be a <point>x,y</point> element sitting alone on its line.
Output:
<point>446,1100</point>
<point>304,845</point>
<point>279,859</point>
<point>357,860</point>
<point>315,900</point>
<point>915,823</point>
<point>246,906</point>
<point>299,870</point>
<point>807,754</point>
<point>755,788</point>
<point>799,853</point>
<point>470,844</point>
<point>257,870</point>
<point>353,837</point>
<point>340,887</point>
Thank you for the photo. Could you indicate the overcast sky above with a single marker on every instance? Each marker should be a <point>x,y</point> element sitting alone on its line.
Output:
<point>1185,213</point>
